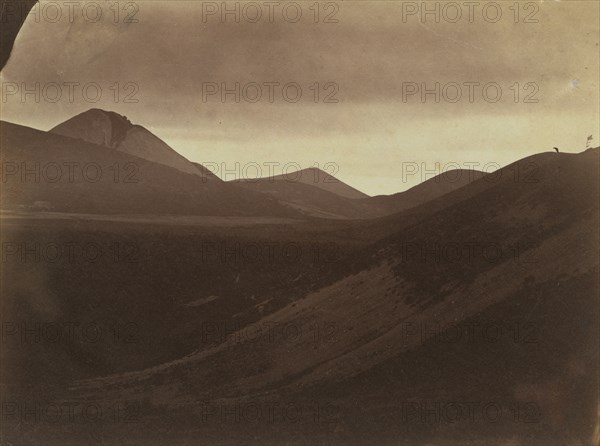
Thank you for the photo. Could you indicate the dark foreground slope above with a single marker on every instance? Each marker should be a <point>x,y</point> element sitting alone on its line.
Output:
<point>475,321</point>
<point>47,171</point>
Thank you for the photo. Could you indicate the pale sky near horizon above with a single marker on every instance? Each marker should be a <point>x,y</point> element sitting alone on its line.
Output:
<point>542,56</point>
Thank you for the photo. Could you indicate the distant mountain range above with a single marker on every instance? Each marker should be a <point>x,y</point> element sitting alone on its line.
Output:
<point>167,183</point>
<point>105,180</point>
<point>313,177</point>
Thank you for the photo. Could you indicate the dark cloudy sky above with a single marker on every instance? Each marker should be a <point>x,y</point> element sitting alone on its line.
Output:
<point>369,54</point>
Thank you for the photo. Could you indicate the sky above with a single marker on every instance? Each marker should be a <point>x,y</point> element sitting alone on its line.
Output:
<point>346,86</point>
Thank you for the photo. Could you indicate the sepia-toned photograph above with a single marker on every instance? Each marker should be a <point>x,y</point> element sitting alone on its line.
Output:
<point>300,223</point>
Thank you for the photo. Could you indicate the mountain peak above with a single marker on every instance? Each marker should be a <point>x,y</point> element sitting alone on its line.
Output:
<point>322,179</point>
<point>97,126</point>
<point>110,129</point>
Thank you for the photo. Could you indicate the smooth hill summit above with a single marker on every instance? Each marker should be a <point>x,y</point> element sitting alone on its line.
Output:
<point>112,130</point>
